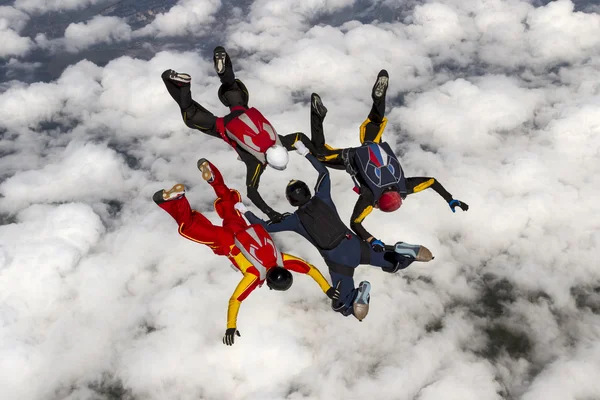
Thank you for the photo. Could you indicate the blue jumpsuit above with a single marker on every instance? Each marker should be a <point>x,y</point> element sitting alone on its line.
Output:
<point>345,257</point>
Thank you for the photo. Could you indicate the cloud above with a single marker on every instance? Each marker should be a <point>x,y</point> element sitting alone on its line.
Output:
<point>99,288</point>
<point>12,21</point>
<point>186,18</point>
<point>41,7</point>
<point>100,29</point>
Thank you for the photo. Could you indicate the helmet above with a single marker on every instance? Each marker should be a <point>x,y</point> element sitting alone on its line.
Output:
<point>389,201</point>
<point>297,193</point>
<point>277,157</point>
<point>279,278</point>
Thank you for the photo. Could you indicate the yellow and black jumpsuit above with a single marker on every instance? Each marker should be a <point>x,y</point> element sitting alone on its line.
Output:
<point>371,131</point>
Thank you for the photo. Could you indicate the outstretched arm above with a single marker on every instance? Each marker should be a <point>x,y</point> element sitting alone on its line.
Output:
<point>418,184</point>
<point>243,289</point>
<point>362,208</point>
<point>254,170</point>
<point>297,264</point>
<point>288,223</point>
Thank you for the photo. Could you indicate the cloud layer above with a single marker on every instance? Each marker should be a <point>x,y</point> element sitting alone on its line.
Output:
<point>498,100</point>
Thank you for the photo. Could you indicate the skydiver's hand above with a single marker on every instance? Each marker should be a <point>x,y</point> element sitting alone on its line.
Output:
<point>301,148</point>
<point>230,333</point>
<point>457,203</point>
<point>333,292</point>
<point>240,207</point>
<point>275,217</point>
<point>377,245</point>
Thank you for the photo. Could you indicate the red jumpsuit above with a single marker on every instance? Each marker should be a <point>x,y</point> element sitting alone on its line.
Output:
<point>196,227</point>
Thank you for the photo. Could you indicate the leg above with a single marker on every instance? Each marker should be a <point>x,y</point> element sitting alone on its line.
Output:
<point>326,154</point>
<point>226,197</point>
<point>233,92</point>
<point>396,257</point>
<point>192,224</point>
<point>372,129</point>
<point>342,279</point>
<point>194,115</point>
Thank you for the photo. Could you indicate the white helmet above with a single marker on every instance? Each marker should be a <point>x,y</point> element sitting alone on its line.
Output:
<point>277,157</point>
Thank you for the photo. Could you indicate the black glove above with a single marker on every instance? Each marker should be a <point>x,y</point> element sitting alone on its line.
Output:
<point>377,245</point>
<point>228,339</point>
<point>454,203</point>
<point>275,217</point>
<point>333,293</point>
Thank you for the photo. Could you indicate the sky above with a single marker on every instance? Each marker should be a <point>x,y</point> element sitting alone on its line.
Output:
<point>100,298</point>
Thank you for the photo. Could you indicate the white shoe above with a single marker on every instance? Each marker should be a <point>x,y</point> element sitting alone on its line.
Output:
<point>361,302</point>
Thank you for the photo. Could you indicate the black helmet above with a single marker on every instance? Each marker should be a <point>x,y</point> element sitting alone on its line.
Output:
<point>279,278</point>
<point>297,193</point>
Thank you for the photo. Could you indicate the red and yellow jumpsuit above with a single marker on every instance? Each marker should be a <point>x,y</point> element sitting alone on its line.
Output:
<point>196,227</point>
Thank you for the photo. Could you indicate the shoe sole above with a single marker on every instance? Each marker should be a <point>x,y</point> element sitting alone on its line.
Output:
<point>175,191</point>
<point>318,106</point>
<point>206,172</point>
<point>183,78</point>
<point>220,62</point>
<point>422,254</point>
<point>361,303</point>
<point>380,86</point>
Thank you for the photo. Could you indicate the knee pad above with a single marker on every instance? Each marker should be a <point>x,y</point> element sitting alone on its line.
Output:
<point>238,86</point>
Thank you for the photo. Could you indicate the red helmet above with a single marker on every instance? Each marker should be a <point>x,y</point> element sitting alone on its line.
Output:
<point>389,201</point>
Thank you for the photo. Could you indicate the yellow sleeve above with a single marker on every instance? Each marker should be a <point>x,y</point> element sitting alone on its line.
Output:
<point>243,289</point>
<point>314,273</point>
<point>297,264</point>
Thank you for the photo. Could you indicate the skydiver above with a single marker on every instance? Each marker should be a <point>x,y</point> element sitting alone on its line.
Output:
<point>250,248</point>
<point>244,128</point>
<point>375,169</point>
<point>317,220</point>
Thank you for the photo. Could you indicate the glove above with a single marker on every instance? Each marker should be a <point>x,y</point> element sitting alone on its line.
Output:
<point>454,203</point>
<point>301,148</point>
<point>240,207</point>
<point>333,292</point>
<point>275,217</point>
<point>230,333</point>
<point>377,245</point>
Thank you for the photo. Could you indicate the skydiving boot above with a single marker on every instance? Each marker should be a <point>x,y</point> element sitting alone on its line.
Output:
<point>204,167</point>
<point>416,251</point>
<point>317,105</point>
<point>176,192</point>
<point>221,60</point>
<point>180,78</point>
<point>361,302</point>
<point>406,254</point>
<point>380,86</point>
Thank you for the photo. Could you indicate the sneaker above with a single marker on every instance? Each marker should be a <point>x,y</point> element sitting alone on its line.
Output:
<point>204,167</point>
<point>380,87</point>
<point>361,302</point>
<point>418,252</point>
<point>317,105</point>
<point>175,192</point>
<point>180,77</point>
<point>220,59</point>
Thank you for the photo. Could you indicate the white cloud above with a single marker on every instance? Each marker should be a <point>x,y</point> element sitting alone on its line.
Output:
<point>12,21</point>
<point>100,29</point>
<point>186,18</point>
<point>102,289</point>
<point>41,7</point>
